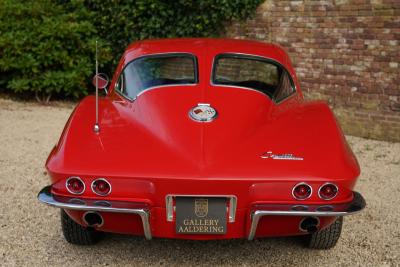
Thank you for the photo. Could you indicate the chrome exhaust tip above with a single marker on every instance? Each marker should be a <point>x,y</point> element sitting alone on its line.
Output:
<point>309,224</point>
<point>93,219</point>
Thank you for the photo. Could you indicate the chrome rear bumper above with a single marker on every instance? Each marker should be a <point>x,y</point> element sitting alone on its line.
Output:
<point>258,211</point>
<point>356,205</point>
<point>69,203</point>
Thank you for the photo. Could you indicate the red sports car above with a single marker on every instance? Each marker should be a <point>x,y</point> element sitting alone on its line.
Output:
<point>203,139</point>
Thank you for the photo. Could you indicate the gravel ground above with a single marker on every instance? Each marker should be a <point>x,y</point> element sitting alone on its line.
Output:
<point>30,232</point>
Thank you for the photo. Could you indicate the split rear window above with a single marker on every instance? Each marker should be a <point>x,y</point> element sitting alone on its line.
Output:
<point>235,70</point>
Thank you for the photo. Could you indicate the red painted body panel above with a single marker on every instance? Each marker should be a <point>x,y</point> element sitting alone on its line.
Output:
<point>149,148</point>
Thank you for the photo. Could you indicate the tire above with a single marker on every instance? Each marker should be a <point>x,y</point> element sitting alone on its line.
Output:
<point>326,238</point>
<point>76,234</point>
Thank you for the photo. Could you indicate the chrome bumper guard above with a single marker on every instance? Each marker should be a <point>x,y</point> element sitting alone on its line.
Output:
<point>336,210</point>
<point>69,203</point>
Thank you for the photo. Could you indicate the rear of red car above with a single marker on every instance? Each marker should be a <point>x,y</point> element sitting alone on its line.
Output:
<point>203,145</point>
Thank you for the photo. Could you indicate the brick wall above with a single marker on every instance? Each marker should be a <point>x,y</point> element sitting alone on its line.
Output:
<point>346,52</point>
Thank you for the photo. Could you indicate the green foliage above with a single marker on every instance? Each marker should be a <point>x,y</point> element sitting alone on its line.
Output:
<point>47,46</point>
<point>121,22</point>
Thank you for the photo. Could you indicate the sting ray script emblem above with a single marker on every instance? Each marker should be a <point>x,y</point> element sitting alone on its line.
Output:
<point>270,155</point>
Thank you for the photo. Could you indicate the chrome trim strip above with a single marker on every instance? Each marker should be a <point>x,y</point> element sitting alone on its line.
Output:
<point>169,205</point>
<point>162,86</point>
<point>46,197</point>
<point>243,88</point>
<point>101,179</point>
<point>353,207</point>
<point>75,177</point>
<point>337,191</point>
<point>302,183</point>
<point>152,88</point>
<point>254,90</point>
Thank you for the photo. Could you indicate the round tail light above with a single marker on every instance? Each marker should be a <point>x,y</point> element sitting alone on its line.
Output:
<point>101,187</point>
<point>328,191</point>
<point>75,185</point>
<point>301,191</point>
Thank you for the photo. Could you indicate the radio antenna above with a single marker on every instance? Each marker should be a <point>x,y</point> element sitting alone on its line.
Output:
<point>96,127</point>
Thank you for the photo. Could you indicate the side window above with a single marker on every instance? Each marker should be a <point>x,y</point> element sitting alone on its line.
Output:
<point>285,88</point>
<point>120,86</point>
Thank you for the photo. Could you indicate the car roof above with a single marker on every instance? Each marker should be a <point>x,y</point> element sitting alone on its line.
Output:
<point>207,47</point>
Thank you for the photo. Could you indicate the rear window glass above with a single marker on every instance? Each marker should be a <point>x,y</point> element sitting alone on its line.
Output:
<point>254,73</point>
<point>154,71</point>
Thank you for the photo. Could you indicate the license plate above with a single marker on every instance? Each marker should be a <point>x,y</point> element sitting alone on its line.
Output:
<point>198,215</point>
